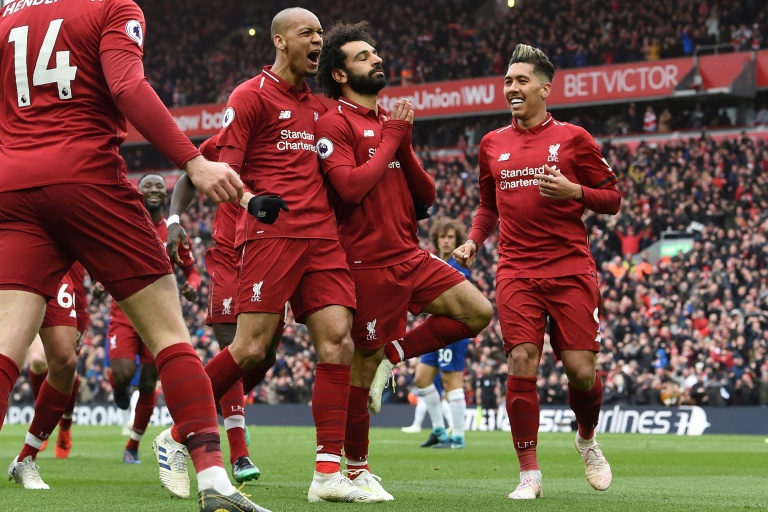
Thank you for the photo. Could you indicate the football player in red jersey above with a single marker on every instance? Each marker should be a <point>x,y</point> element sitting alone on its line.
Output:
<point>537,176</point>
<point>61,315</point>
<point>53,377</point>
<point>366,154</point>
<point>268,136</point>
<point>71,73</point>
<point>222,265</point>
<point>125,343</point>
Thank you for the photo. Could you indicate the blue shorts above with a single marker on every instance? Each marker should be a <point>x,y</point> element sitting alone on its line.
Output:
<point>449,359</point>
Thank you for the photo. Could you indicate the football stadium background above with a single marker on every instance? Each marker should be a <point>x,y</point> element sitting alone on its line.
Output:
<point>675,93</point>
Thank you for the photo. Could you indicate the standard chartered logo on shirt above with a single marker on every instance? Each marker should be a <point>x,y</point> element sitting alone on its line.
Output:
<point>296,141</point>
<point>515,178</point>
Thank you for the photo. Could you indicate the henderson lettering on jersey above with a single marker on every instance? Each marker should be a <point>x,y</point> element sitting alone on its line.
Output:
<point>21,4</point>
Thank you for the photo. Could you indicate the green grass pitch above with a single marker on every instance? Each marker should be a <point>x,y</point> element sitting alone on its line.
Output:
<point>650,473</point>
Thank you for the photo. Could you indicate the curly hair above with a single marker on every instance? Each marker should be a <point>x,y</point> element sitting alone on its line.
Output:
<point>332,57</point>
<point>442,225</point>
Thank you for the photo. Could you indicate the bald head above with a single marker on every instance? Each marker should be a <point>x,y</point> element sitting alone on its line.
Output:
<point>287,17</point>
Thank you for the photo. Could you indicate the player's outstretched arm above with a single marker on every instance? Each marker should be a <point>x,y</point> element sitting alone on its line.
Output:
<point>124,74</point>
<point>215,179</point>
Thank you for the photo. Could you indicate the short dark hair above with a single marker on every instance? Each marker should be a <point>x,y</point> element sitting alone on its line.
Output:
<point>442,225</point>
<point>147,175</point>
<point>332,57</point>
<point>542,66</point>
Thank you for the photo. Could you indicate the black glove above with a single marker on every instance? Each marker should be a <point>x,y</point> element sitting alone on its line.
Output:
<point>266,208</point>
<point>422,210</point>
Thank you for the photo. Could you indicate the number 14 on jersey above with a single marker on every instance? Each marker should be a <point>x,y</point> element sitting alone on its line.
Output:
<point>62,74</point>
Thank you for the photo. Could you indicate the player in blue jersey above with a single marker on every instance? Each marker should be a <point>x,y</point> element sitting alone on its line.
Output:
<point>446,235</point>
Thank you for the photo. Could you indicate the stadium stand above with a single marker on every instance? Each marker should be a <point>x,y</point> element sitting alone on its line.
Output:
<point>686,329</point>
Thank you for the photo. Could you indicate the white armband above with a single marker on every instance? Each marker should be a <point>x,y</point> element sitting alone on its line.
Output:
<point>173,219</point>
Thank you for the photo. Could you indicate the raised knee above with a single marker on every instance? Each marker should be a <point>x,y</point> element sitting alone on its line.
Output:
<point>484,313</point>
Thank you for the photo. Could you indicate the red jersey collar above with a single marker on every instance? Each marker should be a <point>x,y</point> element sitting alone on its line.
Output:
<point>283,84</point>
<point>359,109</point>
<point>536,129</point>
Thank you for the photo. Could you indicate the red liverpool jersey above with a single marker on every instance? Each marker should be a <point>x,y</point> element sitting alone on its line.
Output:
<point>225,219</point>
<point>273,124</point>
<point>187,266</point>
<point>541,237</point>
<point>59,122</point>
<point>380,230</point>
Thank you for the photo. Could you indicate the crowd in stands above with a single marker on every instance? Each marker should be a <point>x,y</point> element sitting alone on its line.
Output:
<point>440,39</point>
<point>692,329</point>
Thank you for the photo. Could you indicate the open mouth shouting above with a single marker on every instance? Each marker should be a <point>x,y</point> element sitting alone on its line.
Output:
<point>314,57</point>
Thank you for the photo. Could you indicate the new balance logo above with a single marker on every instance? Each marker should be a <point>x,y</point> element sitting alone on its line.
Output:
<point>371,330</point>
<point>257,292</point>
<point>284,114</point>
<point>553,149</point>
<point>367,133</point>
<point>503,157</point>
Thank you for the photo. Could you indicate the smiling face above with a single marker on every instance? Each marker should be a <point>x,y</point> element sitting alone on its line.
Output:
<point>526,93</point>
<point>363,70</point>
<point>154,190</point>
<point>301,42</point>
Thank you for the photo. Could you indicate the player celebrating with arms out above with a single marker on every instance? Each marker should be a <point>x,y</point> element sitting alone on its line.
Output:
<point>367,157</point>
<point>537,176</point>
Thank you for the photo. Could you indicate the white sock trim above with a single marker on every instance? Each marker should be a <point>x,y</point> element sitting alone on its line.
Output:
<point>236,421</point>
<point>34,442</point>
<point>328,457</point>
<point>136,436</point>
<point>399,349</point>
<point>215,478</point>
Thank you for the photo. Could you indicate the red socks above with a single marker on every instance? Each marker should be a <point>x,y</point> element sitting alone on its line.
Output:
<point>49,407</point>
<point>358,425</point>
<point>9,372</point>
<point>433,334</point>
<point>586,407</point>
<point>189,399</point>
<point>523,411</point>
<point>66,419</point>
<point>254,376</point>
<point>145,406</point>
<point>330,398</point>
<point>233,412</point>
<point>36,381</point>
<point>223,372</point>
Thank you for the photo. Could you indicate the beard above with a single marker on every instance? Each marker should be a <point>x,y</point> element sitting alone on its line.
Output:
<point>367,84</point>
